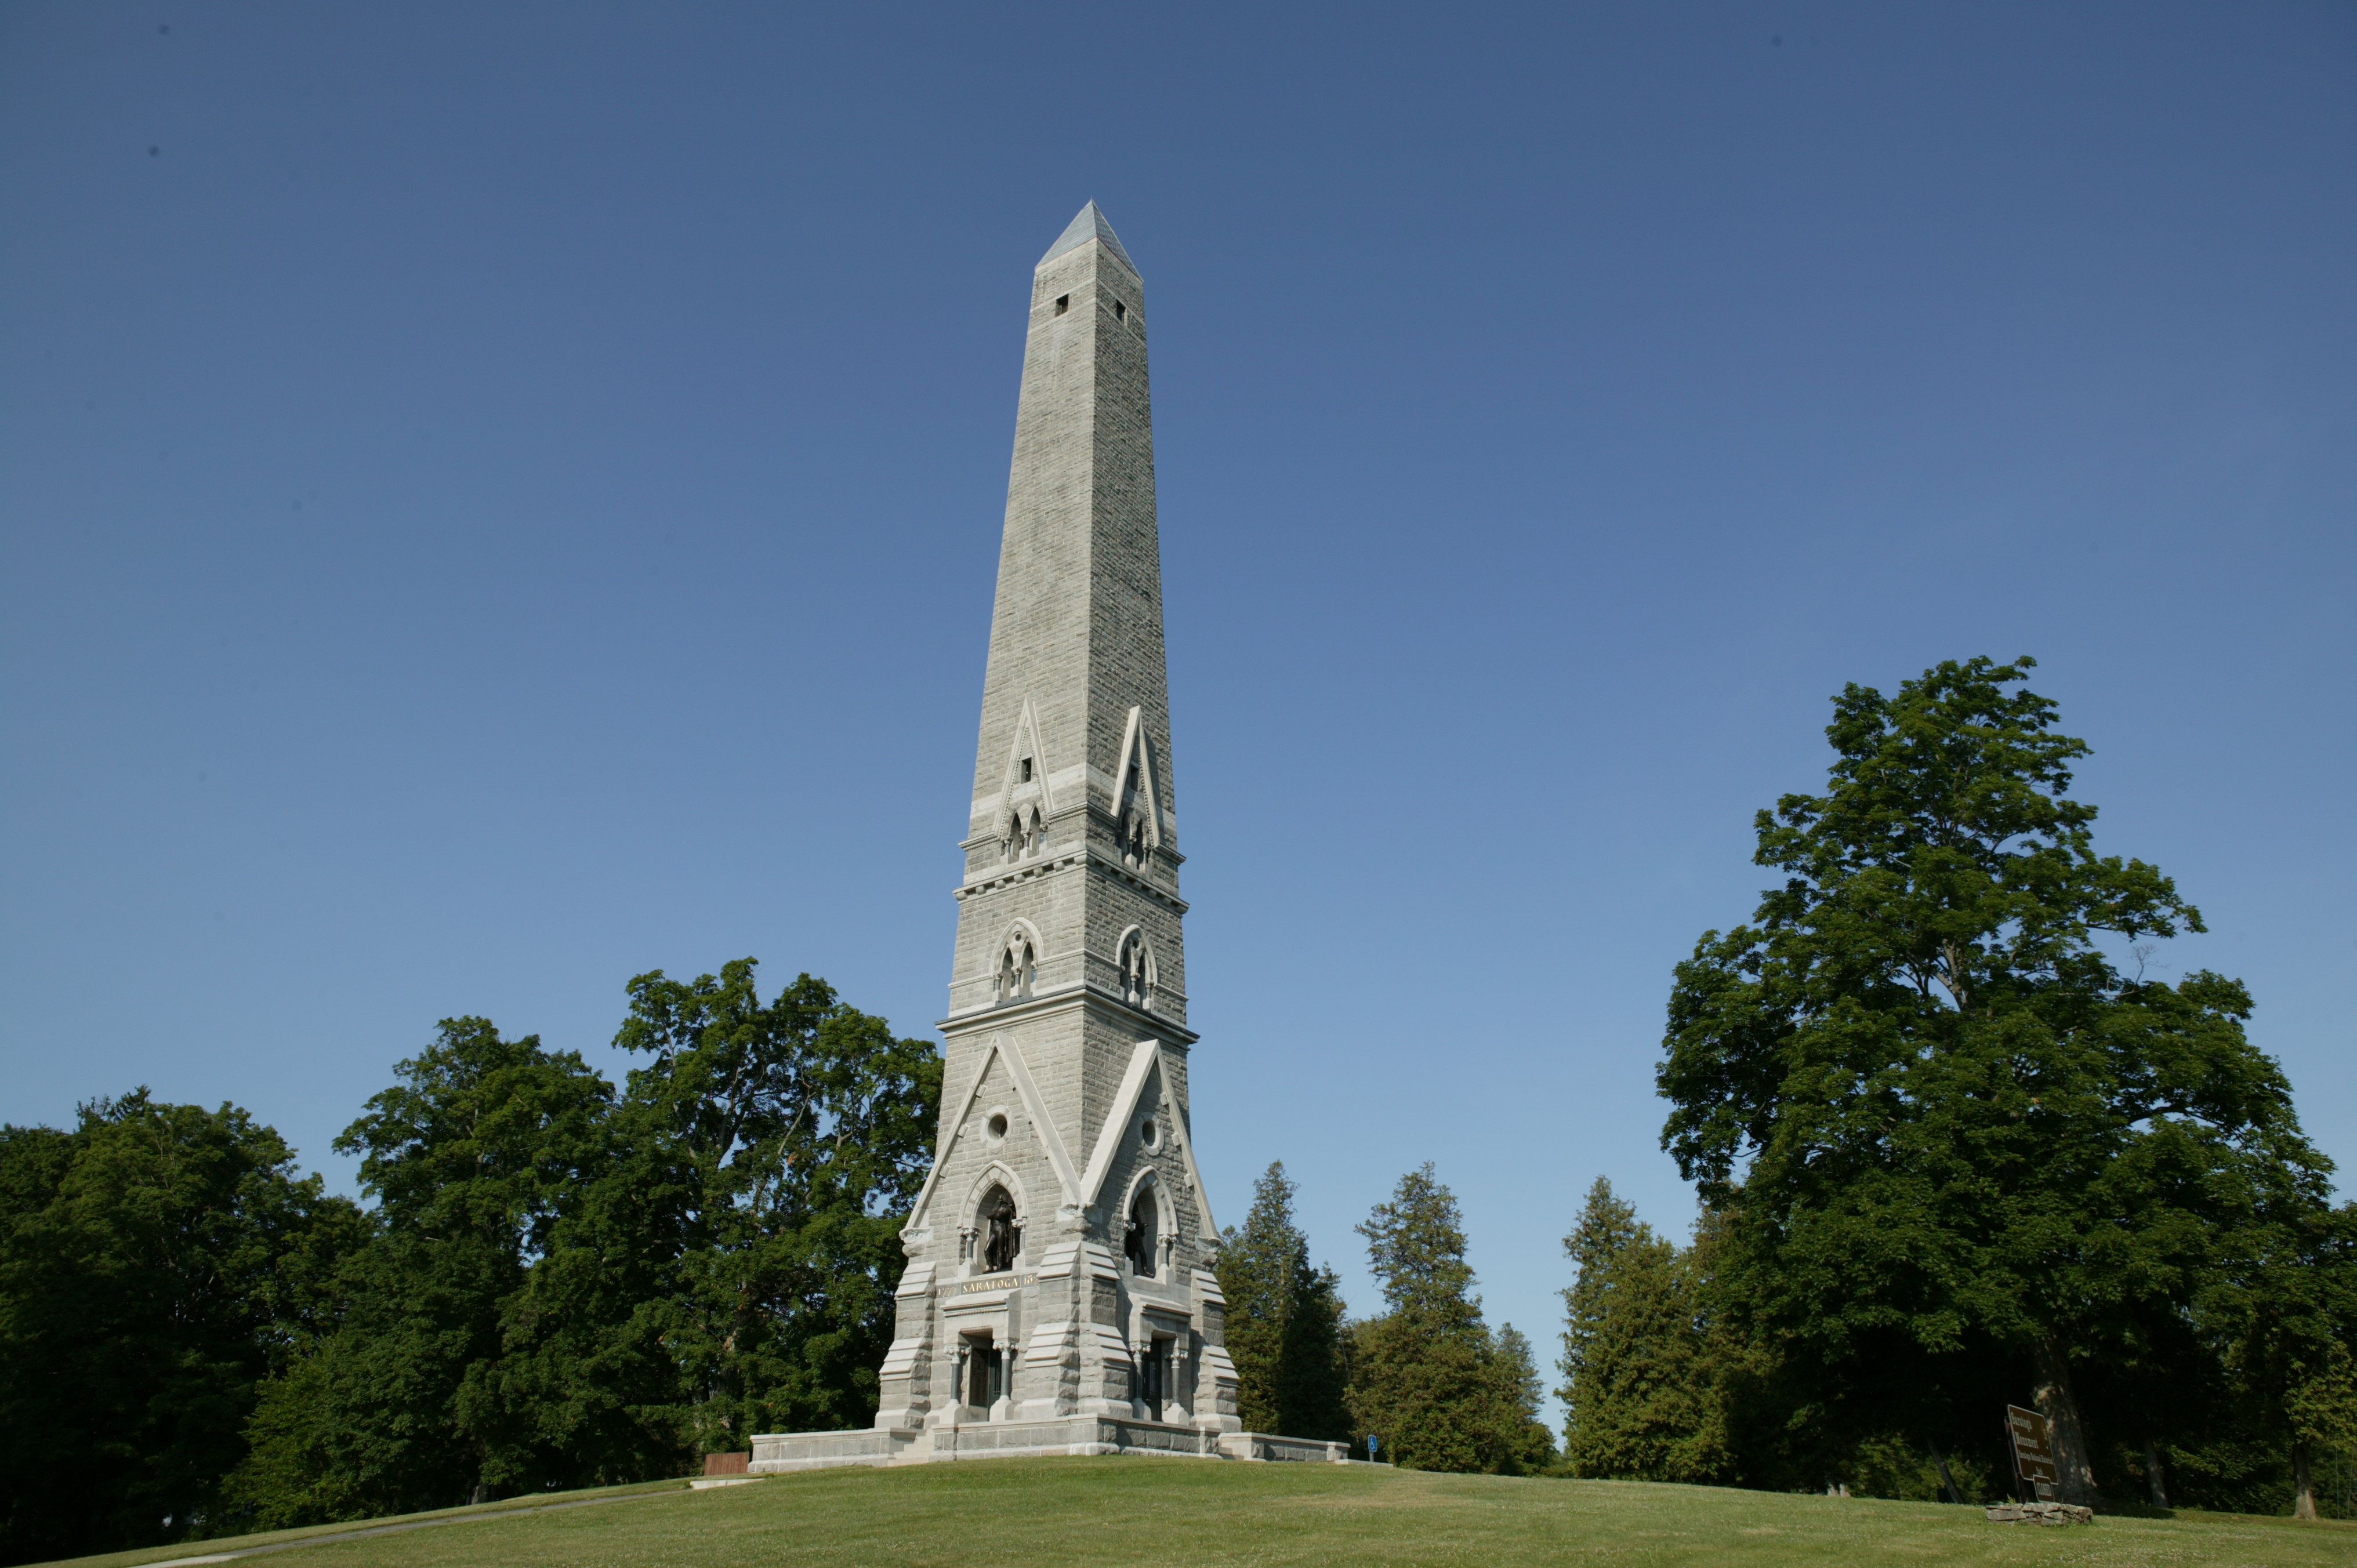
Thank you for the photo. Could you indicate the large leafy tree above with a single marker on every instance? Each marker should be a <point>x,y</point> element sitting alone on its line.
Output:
<point>1284,1321</point>
<point>1940,1103</point>
<point>776,1148</point>
<point>1427,1377</point>
<point>156,1263</point>
<point>435,1387</point>
<point>570,1288</point>
<point>2289,1321</point>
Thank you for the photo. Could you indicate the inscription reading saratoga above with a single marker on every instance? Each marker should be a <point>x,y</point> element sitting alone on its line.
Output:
<point>995,1282</point>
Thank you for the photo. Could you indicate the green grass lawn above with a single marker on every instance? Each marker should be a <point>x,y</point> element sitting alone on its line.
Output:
<point>1101,1513</point>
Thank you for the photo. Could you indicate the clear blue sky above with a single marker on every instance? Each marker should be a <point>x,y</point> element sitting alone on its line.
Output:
<point>499,498</point>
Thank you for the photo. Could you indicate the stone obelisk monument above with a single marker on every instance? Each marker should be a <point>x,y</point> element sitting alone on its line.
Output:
<point>1059,1297</point>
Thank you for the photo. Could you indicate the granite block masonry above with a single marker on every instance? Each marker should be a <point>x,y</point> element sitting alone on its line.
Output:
<point>1058,1296</point>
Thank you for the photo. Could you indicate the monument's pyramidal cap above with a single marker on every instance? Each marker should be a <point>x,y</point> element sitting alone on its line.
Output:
<point>1058,1296</point>
<point>1088,224</point>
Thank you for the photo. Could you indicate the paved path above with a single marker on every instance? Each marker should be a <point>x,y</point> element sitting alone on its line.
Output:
<point>396,1528</point>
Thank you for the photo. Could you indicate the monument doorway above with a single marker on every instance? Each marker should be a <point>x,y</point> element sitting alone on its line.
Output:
<point>1155,1382</point>
<point>985,1371</point>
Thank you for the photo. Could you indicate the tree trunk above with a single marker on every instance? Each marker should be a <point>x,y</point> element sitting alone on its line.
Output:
<point>2075,1475</point>
<point>1947,1482</point>
<point>2152,1476</point>
<point>2303,1481</point>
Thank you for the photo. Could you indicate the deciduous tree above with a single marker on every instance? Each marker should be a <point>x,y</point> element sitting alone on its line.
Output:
<point>156,1262</point>
<point>433,1389</point>
<point>776,1149</point>
<point>1932,1092</point>
<point>2291,1328</point>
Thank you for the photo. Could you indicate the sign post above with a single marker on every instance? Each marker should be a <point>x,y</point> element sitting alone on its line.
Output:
<point>2033,1455</point>
<point>1370,1447</point>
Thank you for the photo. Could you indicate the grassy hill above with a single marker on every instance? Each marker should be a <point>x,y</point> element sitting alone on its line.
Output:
<point>1055,1512</point>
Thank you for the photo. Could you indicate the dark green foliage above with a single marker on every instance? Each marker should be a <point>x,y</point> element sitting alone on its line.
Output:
<point>776,1149</point>
<point>438,1385</point>
<point>2289,1321</point>
<point>1427,1377</point>
<point>2226,1395</point>
<point>1891,1466</point>
<point>572,1288</point>
<point>156,1264</point>
<point>1284,1322</point>
<point>1646,1391</point>
<point>1531,1445</point>
<point>1961,1152</point>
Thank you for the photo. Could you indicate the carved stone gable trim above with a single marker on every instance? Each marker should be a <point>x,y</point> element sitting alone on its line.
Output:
<point>1137,762</point>
<point>1034,1110</point>
<point>1027,741</point>
<point>1144,1062</point>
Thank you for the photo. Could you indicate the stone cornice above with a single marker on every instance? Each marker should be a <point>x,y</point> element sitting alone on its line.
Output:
<point>1030,870</point>
<point>1165,1030</point>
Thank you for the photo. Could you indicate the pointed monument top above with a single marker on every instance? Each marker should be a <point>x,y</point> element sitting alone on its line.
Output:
<point>1089,225</point>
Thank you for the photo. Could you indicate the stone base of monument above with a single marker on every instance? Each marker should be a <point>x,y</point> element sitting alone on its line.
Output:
<point>2040,1513</point>
<point>782,1453</point>
<point>1268,1446</point>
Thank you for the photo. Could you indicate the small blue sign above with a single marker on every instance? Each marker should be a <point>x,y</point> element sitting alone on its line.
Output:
<point>1370,1447</point>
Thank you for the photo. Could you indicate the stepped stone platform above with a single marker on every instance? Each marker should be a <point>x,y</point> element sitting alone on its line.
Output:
<point>782,1453</point>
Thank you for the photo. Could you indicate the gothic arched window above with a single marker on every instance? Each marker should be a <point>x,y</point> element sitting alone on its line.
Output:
<point>1019,968</point>
<point>1141,1244</point>
<point>1001,1235</point>
<point>1133,823</point>
<point>1135,961</point>
<point>1024,835</point>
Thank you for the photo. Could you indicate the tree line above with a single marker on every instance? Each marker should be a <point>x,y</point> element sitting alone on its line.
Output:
<point>1957,1146</point>
<point>558,1282</point>
<point>1427,1376</point>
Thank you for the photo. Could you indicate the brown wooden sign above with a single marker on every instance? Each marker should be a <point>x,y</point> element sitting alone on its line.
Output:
<point>2033,1453</point>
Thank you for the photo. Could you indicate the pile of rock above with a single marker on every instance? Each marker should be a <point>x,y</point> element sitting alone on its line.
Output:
<point>2040,1513</point>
